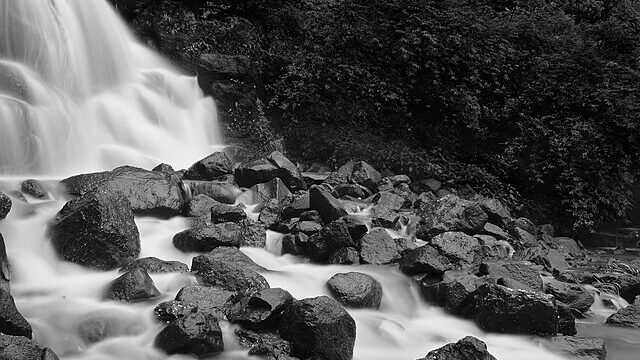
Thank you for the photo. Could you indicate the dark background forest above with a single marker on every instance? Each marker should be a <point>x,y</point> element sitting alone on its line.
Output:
<point>531,101</point>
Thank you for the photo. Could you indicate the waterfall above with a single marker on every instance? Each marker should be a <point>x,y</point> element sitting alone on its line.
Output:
<point>79,93</point>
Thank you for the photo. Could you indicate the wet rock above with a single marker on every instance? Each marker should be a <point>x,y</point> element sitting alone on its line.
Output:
<point>48,354</point>
<point>345,256</point>
<point>424,260</point>
<point>318,328</point>
<point>452,292</point>
<point>552,260</point>
<point>254,234</point>
<point>154,265</point>
<point>629,286</point>
<point>5,269</point>
<point>207,300</point>
<point>377,247</point>
<point>266,345</point>
<point>135,285</point>
<point>356,227</point>
<point>356,290</point>
<point>217,190</point>
<point>495,231</point>
<point>389,200</point>
<point>224,272</point>
<point>5,205</point>
<point>579,348</point>
<point>307,227</point>
<point>567,246</point>
<point>573,295</point>
<point>206,237</point>
<point>566,320</point>
<point>209,168</point>
<point>21,348</point>
<point>467,348</point>
<point>96,230</point>
<point>273,189</point>
<point>265,169</point>
<point>520,271</point>
<point>462,250</point>
<point>497,212</point>
<point>11,321</point>
<point>300,204</point>
<point>222,213</point>
<point>196,333</point>
<point>493,249</point>
<point>353,190</point>
<point>627,317</point>
<point>526,225</point>
<point>382,216</point>
<point>329,207</point>
<point>311,215</point>
<point>455,214</point>
<point>497,308</point>
<point>149,192</point>
<point>170,311</point>
<point>270,213</point>
<point>524,237</point>
<point>200,206</point>
<point>361,173</point>
<point>294,244</point>
<point>332,237</point>
<point>260,309</point>
<point>34,188</point>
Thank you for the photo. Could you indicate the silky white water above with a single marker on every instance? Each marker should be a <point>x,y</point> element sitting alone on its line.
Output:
<point>78,93</point>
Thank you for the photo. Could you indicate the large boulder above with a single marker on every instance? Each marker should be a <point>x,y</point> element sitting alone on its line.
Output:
<point>579,348</point>
<point>424,260</point>
<point>262,308</point>
<point>97,230</point>
<point>265,169</point>
<point>497,308</point>
<point>217,190</point>
<point>361,173</point>
<point>329,239</point>
<point>134,285</point>
<point>521,271</point>
<point>228,274</point>
<point>206,237</point>
<point>345,256</point>
<point>377,247</point>
<point>11,321</point>
<point>627,317</point>
<point>574,295</point>
<point>5,205</point>
<point>318,328</point>
<point>467,348</point>
<point>462,250</point>
<point>454,214</point>
<point>196,333</point>
<point>452,292</point>
<point>154,265</point>
<point>209,168</point>
<point>329,207</point>
<point>200,206</point>
<point>497,212</point>
<point>207,300</point>
<point>221,213</point>
<point>149,192</point>
<point>273,189</point>
<point>356,290</point>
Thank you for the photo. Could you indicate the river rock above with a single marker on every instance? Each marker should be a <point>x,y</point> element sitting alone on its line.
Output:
<point>318,328</point>
<point>329,207</point>
<point>209,300</point>
<point>521,271</point>
<point>200,206</point>
<point>266,345</point>
<point>273,189</point>
<point>357,228</point>
<point>196,333</point>
<point>467,348</point>
<point>382,216</point>
<point>96,230</point>
<point>378,247</point>
<point>345,256</point>
<point>228,274</point>
<point>424,260</point>
<point>206,237</point>
<point>153,265</point>
<point>307,227</point>
<point>5,205</point>
<point>34,188</point>
<point>149,192</point>
<point>452,291</point>
<point>574,295</point>
<point>497,308</point>
<point>169,311</point>
<point>462,250</point>
<point>356,290</point>
<point>217,190</point>
<point>497,212</point>
<point>265,169</point>
<point>222,213</point>
<point>352,190</point>
<point>254,234</point>
<point>301,202</point>
<point>294,244</point>
<point>209,168</point>
<point>135,285</point>
<point>260,309</point>
<point>11,321</point>
<point>566,320</point>
<point>361,173</point>
<point>389,200</point>
<point>270,213</point>
<point>579,348</point>
<point>455,214</point>
<point>329,239</point>
<point>627,317</point>
<point>21,348</point>
<point>495,231</point>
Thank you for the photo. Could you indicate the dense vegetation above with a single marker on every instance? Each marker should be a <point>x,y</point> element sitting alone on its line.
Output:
<point>534,101</point>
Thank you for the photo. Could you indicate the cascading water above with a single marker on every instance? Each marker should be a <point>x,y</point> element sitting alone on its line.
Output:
<point>78,93</point>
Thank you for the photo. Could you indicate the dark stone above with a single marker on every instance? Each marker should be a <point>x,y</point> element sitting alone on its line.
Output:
<point>196,333</point>
<point>629,286</point>
<point>11,321</point>
<point>222,213</point>
<point>318,328</point>
<point>311,215</point>
<point>207,237</point>
<point>497,212</point>
<point>573,295</point>
<point>455,214</point>
<point>200,206</point>
<point>566,320</point>
<point>627,317</point>
<point>300,204</point>
<point>357,228</point>
<point>356,290</point>
<point>497,308</point>
<point>361,173</point>
<point>135,285</point>
<point>525,224</point>
<point>332,237</point>
<point>307,227</point>
<point>48,354</point>
<point>462,250</point>
<point>424,260</point>
<point>345,256</point>
<point>265,169</point>
<point>579,348</point>
<point>34,188</point>
<point>520,271</point>
<point>164,168</point>
<point>154,265</point>
<point>495,231</point>
<point>20,348</point>
<point>329,207</point>
<point>273,189</point>
<point>552,260</point>
<point>266,345</point>
<point>209,168</point>
<point>270,213</point>
<point>219,191</point>
<point>353,190</point>
<point>294,244</point>
<point>5,268</point>
<point>224,272</point>
<point>254,234</point>
<point>468,348</point>
<point>378,247</point>
<point>389,200</point>
<point>149,192</point>
<point>96,230</point>
<point>452,292</point>
<point>170,311</point>
<point>207,300</point>
<point>287,171</point>
<point>382,216</point>
<point>5,205</point>
<point>260,309</point>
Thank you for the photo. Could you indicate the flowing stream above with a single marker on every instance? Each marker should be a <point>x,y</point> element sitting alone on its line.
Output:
<point>77,94</point>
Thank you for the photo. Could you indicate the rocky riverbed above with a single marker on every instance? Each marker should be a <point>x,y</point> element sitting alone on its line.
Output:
<point>258,258</point>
